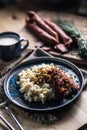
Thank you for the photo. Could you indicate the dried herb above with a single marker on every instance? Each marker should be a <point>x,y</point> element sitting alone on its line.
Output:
<point>76,35</point>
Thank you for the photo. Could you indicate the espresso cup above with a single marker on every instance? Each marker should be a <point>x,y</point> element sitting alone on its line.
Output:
<point>10,45</point>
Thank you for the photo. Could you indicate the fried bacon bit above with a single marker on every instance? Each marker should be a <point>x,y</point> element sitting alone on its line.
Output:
<point>62,84</point>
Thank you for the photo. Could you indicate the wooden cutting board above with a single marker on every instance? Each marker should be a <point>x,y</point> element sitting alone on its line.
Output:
<point>79,22</point>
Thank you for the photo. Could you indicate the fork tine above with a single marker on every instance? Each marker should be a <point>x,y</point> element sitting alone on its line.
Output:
<point>7,123</point>
<point>2,104</point>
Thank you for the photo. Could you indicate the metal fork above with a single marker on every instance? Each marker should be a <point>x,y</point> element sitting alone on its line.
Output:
<point>10,127</point>
<point>4,105</point>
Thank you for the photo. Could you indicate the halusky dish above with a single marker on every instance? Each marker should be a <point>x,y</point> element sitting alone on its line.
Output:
<point>45,82</point>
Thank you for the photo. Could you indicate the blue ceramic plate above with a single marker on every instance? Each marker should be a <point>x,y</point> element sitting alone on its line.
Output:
<point>12,89</point>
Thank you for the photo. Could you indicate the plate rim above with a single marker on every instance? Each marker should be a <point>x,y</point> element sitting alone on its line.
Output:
<point>35,60</point>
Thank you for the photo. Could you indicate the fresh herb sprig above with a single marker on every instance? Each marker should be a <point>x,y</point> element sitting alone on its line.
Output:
<point>76,35</point>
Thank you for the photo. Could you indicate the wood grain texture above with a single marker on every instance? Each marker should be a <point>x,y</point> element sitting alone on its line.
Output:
<point>13,19</point>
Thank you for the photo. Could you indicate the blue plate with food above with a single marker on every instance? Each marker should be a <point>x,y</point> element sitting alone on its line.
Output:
<point>44,84</point>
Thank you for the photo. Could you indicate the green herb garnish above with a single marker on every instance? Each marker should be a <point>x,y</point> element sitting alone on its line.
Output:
<point>76,35</point>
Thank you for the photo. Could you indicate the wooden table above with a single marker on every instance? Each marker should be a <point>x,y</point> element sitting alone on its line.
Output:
<point>13,19</point>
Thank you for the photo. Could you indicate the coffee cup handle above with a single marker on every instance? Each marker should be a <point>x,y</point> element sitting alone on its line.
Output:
<point>23,47</point>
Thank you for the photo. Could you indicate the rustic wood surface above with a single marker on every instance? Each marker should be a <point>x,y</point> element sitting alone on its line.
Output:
<point>13,19</point>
